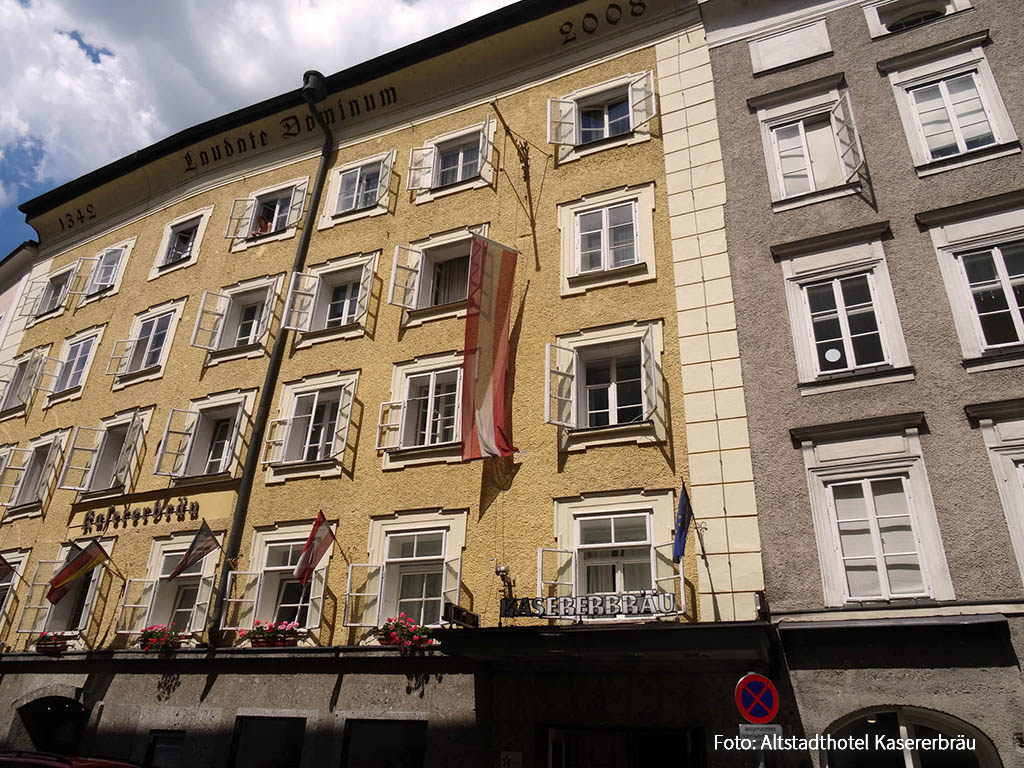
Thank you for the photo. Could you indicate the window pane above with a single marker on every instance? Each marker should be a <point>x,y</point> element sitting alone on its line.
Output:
<point>904,572</point>
<point>855,540</point>
<point>597,399</point>
<point>636,576</point>
<point>821,146</point>
<point>856,291</point>
<point>599,372</point>
<point>849,501</point>
<point>429,544</point>
<point>597,531</point>
<point>451,280</point>
<point>792,160</point>
<point>600,578</point>
<point>618,117</point>
<point>821,298</point>
<point>630,529</point>
<point>897,535</point>
<point>969,111</point>
<point>862,578</point>
<point>402,546</point>
<point>889,497</point>
<point>411,586</point>
<point>347,194</point>
<point>591,124</point>
<point>934,119</point>
<point>868,349</point>
<point>369,180</point>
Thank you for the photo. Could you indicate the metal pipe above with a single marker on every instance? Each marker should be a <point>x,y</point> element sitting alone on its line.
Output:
<point>313,90</point>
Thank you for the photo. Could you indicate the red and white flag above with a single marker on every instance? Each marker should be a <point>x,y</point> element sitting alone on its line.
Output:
<point>320,540</point>
<point>486,424</point>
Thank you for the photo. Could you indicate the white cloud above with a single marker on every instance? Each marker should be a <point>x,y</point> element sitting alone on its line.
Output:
<point>172,65</point>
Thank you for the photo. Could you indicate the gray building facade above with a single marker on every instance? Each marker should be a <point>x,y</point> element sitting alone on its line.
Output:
<point>875,214</point>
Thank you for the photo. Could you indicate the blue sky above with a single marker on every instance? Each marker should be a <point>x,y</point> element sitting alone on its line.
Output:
<point>84,82</point>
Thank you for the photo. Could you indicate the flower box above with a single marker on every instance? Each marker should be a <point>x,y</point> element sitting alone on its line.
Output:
<point>51,645</point>
<point>160,638</point>
<point>405,634</point>
<point>267,634</point>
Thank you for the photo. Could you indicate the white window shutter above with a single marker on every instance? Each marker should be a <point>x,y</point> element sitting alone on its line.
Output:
<point>128,457</point>
<point>37,607</point>
<point>85,446</point>
<point>486,166</point>
<point>174,447</point>
<point>298,203</point>
<point>243,594</point>
<point>136,605</point>
<point>46,373</point>
<point>209,327</point>
<point>348,396</point>
<point>362,595</point>
<point>82,277</point>
<point>642,104</point>
<point>241,419</point>
<point>240,218</point>
<point>405,277</point>
<point>421,168</point>
<point>201,608</point>
<point>668,578</point>
<point>301,301</point>
<point>8,371</point>
<point>556,576</point>
<point>317,590</point>
<point>365,288</point>
<point>98,574</point>
<point>389,425</point>
<point>562,122</point>
<point>33,295</point>
<point>273,446</point>
<point>384,182</point>
<point>560,386</point>
<point>48,477</point>
<point>120,356</point>
<point>13,472</point>
<point>851,152</point>
<point>451,582</point>
<point>268,312</point>
<point>649,372</point>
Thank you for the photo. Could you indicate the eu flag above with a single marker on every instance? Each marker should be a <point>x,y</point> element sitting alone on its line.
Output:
<point>683,515</point>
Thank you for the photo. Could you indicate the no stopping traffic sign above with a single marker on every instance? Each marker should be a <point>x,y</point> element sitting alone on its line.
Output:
<point>757,699</point>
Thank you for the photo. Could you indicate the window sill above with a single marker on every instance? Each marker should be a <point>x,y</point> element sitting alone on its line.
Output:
<point>579,439</point>
<point>243,244</point>
<point>818,196</point>
<point>631,273</point>
<point>415,317</point>
<point>134,377</point>
<point>333,219</point>
<point>568,154</point>
<point>165,269</point>
<point>932,167</point>
<point>282,472</point>
<point>996,359</point>
<point>101,493</point>
<point>10,413</point>
<point>477,182</point>
<point>217,477</point>
<point>97,294</point>
<point>446,453</point>
<point>219,356</point>
<point>864,377</point>
<point>55,312</point>
<point>22,511</point>
<point>347,331</point>
<point>71,393</point>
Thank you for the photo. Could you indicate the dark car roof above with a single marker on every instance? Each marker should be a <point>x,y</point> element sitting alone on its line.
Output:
<point>28,759</point>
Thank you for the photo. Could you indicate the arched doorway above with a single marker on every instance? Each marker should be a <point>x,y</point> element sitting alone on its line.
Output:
<point>54,723</point>
<point>891,732</point>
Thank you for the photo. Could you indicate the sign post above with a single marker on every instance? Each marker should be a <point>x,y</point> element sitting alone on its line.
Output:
<point>757,699</point>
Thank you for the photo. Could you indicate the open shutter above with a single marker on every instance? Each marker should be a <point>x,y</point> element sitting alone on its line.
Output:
<point>298,203</point>
<point>365,287</point>
<point>556,576</point>
<point>181,425</point>
<point>33,295</point>
<point>267,313</point>
<point>85,446</point>
<point>33,369</point>
<point>362,607</point>
<point>348,396</point>
<point>120,356</point>
<point>486,167</point>
<point>851,153</point>
<point>405,277</point>
<point>12,474</point>
<point>44,373</point>
<point>562,122</point>
<point>384,182</point>
<point>126,459</point>
<point>37,607</point>
<point>642,106</point>
<point>240,602</point>
<point>201,609</point>
<point>301,300</point>
<point>560,386</point>
<point>240,420</point>
<point>8,375</point>
<point>389,425</point>
<point>649,372</point>
<point>668,578</point>
<point>317,589</point>
<point>451,582</point>
<point>85,267</point>
<point>240,218</point>
<point>136,604</point>
<point>48,477</point>
<point>273,447</point>
<point>421,168</point>
<point>213,309</point>
<point>97,575</point>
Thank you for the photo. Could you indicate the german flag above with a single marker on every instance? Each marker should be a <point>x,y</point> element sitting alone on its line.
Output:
<point>74,568</point>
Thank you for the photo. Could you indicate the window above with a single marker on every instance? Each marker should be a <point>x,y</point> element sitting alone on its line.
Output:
<point>604,378</point>
<point>180,242</point>
<point>385,743</point>
<point>995,278</point>
<point>415,568</point>
<point>21,377</point>
<point>810,141</point>
<point>105,272</point>
<point>72,613</point>
<point>886,17</point>
<point>605,111</point>
<point>203,440</point>
<point>16,561</point>
<point>950,106</point>
<point>606,237</point>
<point>47,294</point>
<point>878,538</point>
<point>427,416</point>
<point>233,318</point>
<point>75,362</point>
<point>614,554</point>
<point>28,474</point>
<point>434,273</point>
<point>146,351</point>
<point>104,458</point>
<point>183,239</point>
<point>335,295</point>
<point>272,593</point>
<point>360,188</point>
<point>273,211</point>
<point>846,328</point>
<point>316,430</point>
<point>452,159</point>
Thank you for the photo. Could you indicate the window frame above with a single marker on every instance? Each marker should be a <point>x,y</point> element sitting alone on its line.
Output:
<point>202,218</point>
<point>308,297</point>
<point>1003,434</point>
<point>37,289</point>
<point>243,214</point>
<point>37,363</point>
<point>220,311</point>
<point>424,162</point>
<point>128,459</point>
<point>878,29</point>
<point>17,559</point>
<point>124,349</point>
<point>73,392</point>
<point>331,216</point>
<point>179,439</point>
<point>17,465</point>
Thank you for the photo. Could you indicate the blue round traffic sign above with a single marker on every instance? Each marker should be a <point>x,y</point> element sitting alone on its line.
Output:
<point>757,698</point>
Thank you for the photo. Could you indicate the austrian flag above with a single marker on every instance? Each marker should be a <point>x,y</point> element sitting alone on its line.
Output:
<point>486,427</point>
<point>320,540</point>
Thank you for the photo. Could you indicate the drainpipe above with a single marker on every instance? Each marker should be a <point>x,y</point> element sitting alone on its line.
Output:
<point>314,89</point>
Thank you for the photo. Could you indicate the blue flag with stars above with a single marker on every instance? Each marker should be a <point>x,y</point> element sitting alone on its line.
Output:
<point>683,515</point>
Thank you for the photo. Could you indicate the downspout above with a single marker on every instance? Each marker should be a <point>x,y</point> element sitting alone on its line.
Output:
<point>314,89</point>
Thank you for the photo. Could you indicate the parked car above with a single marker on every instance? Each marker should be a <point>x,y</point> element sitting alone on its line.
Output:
<point>47,760</point>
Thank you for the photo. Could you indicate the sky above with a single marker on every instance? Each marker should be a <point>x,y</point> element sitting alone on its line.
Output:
<point>84,82</point>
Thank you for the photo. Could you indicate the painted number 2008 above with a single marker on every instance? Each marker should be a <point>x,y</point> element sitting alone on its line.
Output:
<point>612,15</point>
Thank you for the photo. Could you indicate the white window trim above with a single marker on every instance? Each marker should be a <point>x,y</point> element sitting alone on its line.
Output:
<point>59,310</point>
<point>87,298</point>
<point>175,307</point>
<point>860,258</point>
<point>353,261</point>
<point>643,270</point>
<point>273,285</point>
<point>57,439</point>
<point>203,214</point>
<point>1004,439</point>
<point>486,162</point>
<point>958,237</point>
<point>42,353</point>
<point>653,430</point>
<point>17,559</point>
<point>246,399</point>
<point>568,154</point>
<point>828,461</point>
<point>330,217</point>
<point>332,467</point>
<point>951,61</point>
<point>449,453</point>
<point>243,244</point>
<point>877,29</point>
<point>74,393</point>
